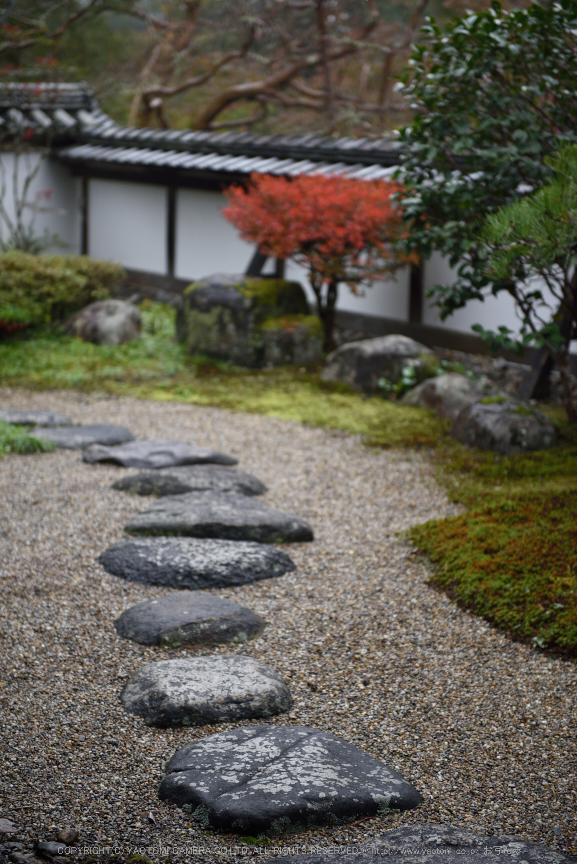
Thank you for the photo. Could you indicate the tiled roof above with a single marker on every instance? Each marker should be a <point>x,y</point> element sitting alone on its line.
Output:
<point>68,114</point>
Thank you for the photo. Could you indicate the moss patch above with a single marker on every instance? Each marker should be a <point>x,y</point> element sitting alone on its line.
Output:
<point>514,563</point>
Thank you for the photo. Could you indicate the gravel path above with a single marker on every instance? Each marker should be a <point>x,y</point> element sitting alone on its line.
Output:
<point>483,727</point>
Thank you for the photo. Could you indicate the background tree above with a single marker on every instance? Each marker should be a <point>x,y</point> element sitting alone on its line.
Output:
<point>494,95</point>
<point>537,237</point>
<point>341,230</point>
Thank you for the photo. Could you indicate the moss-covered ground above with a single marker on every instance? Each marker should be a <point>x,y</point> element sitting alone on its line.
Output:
<point>511,557</point>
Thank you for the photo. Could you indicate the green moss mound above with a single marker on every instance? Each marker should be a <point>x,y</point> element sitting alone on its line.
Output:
<point>289,323</point>
<point>15,440</point>
<point>514,563</point>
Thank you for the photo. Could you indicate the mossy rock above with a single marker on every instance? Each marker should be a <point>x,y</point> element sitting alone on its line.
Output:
<point>222,316</point>
<point>292,339</point>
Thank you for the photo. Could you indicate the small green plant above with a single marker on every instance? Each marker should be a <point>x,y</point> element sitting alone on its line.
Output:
<point>14,439</point>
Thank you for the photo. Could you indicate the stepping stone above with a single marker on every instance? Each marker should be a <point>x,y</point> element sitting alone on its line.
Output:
<point>188,618</point>
<point>224,516</point>
<point>415,844</point>
<point>190,478</point>
<point>34,418</point>
<point>182,562</point>
<point>265,778</point>
<point>78,437</point>
<point>156,454</point>
<point>205,690</point>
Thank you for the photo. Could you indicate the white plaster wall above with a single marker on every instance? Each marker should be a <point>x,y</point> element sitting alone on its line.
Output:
<point>58,211</point>
<point>492,313</point>
<point>206,242</point>
<point>127,224</point>
<point>387,298</point>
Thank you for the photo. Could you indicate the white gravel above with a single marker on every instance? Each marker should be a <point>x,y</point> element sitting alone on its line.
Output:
<point>483,727</point>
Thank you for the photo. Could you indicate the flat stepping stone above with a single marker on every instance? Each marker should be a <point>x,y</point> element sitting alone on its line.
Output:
<point>156,454</point>
<point>224,516</point>
<point>19,417</point>
<point>205,690</point>
<point>190,478</point>
<point>182,562</point>
<point>188,618</point>
<point>265,778</point>
<point>78,437</point>
<point>415,844</point>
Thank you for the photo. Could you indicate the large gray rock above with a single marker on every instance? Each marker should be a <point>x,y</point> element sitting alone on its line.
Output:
<point>363,364</point>
<point>188,618</point>
<point>157,454</point>
<point>106,322</point>
<point>21,417</point>
<point>226,516</point>
<point>505,426</point>
<point>268,778</point>
<point>183,562</point>
<point>190,478</point>
<point>226,316</point>
<point>447,394</point>
<point>203,690</point>
<point>79,437</point>
<point>415,844</point>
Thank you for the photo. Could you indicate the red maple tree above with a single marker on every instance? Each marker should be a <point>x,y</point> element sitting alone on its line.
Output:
<point>342,230</point>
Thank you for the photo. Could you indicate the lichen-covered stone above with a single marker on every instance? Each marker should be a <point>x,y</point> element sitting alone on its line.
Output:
<point>190,478</point>
<point>448,394</point>
<point>204,690</point>
<point>222,316</point>
<point>366,364</point>
<point>156,454</point>
<point>184,562</point>
<point>106,322</point>
<point>271,778</point>
<point>224,516</point>
<point>503,425</point>
<point>188,618</point>
<point>417,843</point>
<point>79,437</point>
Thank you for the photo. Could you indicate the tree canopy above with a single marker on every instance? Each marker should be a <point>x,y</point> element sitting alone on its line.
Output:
<point>494,95</point>
<point>341,230</point>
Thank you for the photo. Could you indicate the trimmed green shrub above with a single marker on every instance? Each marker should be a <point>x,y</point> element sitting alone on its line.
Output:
<point>43,289</point>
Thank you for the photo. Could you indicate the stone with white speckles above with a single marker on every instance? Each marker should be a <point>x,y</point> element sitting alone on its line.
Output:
<point>155,454</point>
<point>188,618</point>
<point>415,844</point>
<point>22,417</point>
<point>190,478</point>
<point>203,690</point>
<point>272,778</point>
<point>226,516</point>
<point>185,562</point>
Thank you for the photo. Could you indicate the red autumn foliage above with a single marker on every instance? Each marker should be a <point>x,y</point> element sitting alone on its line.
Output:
<point>342,230</point>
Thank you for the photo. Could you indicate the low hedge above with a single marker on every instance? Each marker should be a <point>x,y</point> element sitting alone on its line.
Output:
<point>43,289</point>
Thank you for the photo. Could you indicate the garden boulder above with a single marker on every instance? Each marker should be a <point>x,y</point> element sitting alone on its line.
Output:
<point>376,365</point>
<point>107,322</point>
<point>447,394</point>
<point>250,321</point>
<point>503,425</point>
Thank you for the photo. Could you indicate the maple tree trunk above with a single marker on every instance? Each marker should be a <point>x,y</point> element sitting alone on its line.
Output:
<point>326,310</point>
